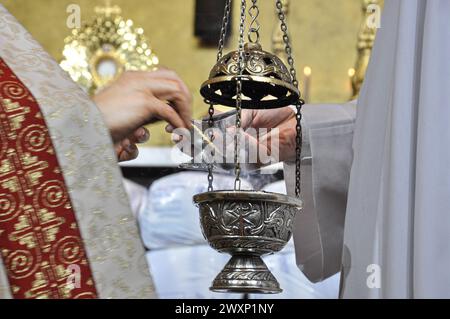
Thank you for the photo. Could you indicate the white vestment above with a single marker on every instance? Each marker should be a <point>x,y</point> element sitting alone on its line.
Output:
<point>397,220</point>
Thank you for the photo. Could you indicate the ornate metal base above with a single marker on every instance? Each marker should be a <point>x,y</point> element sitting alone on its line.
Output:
<point>246,274</point>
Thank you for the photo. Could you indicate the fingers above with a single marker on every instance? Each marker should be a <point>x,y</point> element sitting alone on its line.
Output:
<point>141,135</point>
<point>180,104</point>
<point>247,117</point>
<point>126,151</point>
<point>169,128</point>
<point>169,91</point>
<point>167,85</point>
<point>165,112</point>
<point>172,75</point>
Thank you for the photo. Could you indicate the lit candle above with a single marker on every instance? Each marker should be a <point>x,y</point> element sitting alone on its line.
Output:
<point>351,74</point>
<point>307,83</point>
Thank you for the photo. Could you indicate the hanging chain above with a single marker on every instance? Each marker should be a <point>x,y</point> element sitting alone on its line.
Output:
<point>223,34</point>
<point>224,29</point>
<point>241,59</point>
<point>253,31</point>
<point>211,138</point>
<point>300,102</point>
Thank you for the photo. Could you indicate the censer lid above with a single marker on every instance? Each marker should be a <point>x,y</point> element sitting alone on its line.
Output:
<point>266,81</point>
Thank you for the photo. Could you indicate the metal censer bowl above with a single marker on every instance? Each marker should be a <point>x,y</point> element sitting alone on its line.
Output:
<point>247,225</point>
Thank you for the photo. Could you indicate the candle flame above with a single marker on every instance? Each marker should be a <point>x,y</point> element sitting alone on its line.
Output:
<point>307,71</point>
<point>351,72</point>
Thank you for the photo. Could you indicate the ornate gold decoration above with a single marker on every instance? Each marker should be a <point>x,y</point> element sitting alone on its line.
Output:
<point>98,52</point>
<point>37,237</point>
<point>366,39</point>
<point>266,82</point>
<point>15,115</point>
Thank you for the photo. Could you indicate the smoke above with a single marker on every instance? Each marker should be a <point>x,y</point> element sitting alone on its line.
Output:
<point>216,145</point>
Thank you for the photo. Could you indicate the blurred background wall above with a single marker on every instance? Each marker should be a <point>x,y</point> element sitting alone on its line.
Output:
<point>324,34</point>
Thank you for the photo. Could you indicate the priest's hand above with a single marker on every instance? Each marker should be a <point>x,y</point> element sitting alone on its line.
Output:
<point>282,119</point>
<point>126,149</point>
<point>138,98</point>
